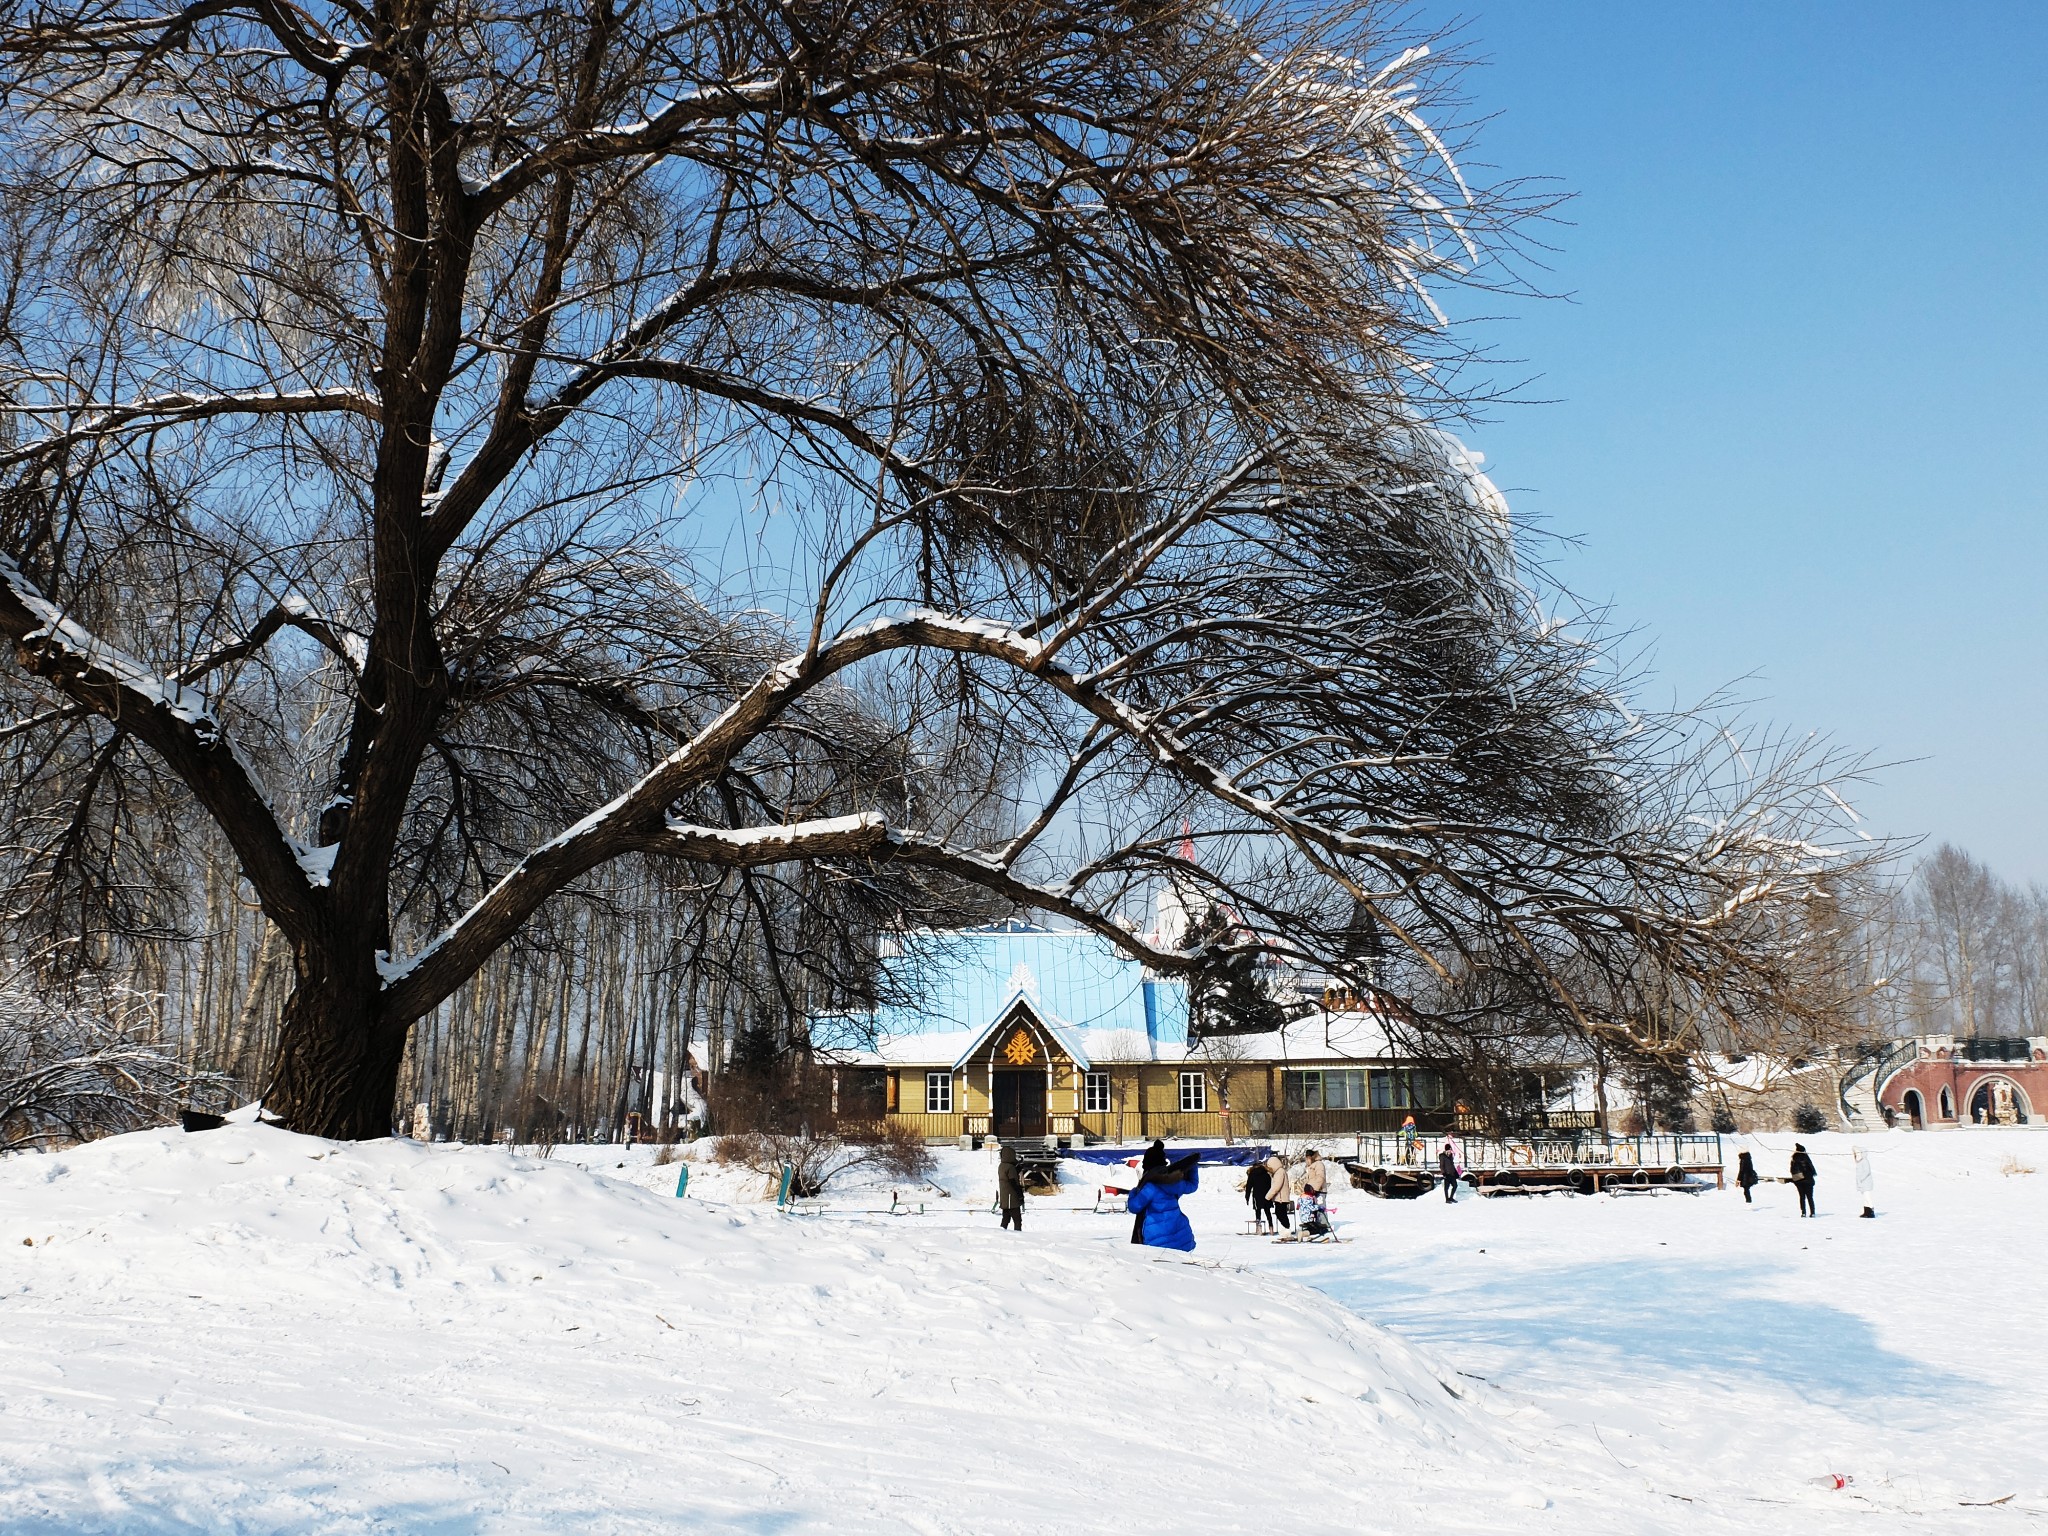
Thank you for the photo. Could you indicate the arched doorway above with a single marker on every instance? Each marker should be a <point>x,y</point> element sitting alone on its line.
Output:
<point>1998,1101</point>
<point>1948,1104</point>
<point>1914,1108</point>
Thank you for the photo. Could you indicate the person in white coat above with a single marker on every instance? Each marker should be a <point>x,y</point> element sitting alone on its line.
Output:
<point>1282,1192</point>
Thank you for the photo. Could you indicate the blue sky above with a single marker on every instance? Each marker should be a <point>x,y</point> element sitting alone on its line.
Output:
<point>1793,407</point>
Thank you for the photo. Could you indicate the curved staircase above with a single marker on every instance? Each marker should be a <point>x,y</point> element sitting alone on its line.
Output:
<point>1866,1077</point>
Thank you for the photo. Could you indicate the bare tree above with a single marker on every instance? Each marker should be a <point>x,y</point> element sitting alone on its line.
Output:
<point>1975,949</point>
<point>385,384</point>
<point>1223,1058</point>
<point>92,1065</point>
<point>1959,904</point>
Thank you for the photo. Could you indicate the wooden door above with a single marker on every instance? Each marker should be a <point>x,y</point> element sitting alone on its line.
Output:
<point>1019,1104</point>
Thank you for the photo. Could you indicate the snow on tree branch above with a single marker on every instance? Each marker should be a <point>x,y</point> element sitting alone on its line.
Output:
<point>75,1070</point>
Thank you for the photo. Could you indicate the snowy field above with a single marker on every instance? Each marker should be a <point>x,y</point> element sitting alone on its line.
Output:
<point>254,1332</point>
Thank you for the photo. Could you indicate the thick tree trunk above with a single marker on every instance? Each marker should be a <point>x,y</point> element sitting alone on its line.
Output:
<point>337,1060</point>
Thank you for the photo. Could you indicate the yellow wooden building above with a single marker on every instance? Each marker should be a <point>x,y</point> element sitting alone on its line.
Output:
<point>1023,1031</point>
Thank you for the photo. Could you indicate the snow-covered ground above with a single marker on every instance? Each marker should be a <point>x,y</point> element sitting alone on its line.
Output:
<point>250,1331</point>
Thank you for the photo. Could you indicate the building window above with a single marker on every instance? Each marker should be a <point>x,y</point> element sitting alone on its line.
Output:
<point>1095,1093</point>
<point>938,1093</point>
<point>863,1093</point>
<point>1418,1088</point>
<point>1343,1088</point>
<point>1194,1093</point>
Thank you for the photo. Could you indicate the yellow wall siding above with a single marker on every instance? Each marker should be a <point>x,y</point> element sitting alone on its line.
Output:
<point>1144,1102</point>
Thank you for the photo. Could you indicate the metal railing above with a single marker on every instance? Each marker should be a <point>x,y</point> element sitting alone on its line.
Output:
<point>1994,1048</point>
<point>1547,1120</point>
<point>1873,1067</point>
<point>1487,1153</point>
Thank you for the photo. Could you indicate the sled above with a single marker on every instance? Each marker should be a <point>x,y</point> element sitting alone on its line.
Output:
<point>1312,1223</point>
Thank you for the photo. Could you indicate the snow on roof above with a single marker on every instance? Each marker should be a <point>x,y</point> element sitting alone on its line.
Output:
<point>1354,1034</point>
<point>1097,1001</point>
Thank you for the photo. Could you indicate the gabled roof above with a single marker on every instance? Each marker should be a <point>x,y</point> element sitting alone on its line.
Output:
<point>960,984</point>
<point>1094,999</point>
<point>1025,997</point>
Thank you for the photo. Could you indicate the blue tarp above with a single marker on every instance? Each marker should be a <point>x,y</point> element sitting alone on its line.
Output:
<point>1226,1157</point>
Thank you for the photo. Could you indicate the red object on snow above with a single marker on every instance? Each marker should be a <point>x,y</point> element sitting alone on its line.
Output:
<point>1137,1176</point>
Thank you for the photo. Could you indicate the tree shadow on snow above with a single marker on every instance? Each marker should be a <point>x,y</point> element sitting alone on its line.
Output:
<point>1694,1321</point>
<point>165,1500</point>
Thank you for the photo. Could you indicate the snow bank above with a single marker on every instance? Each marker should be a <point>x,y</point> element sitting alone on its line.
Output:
<point>249,1330</point>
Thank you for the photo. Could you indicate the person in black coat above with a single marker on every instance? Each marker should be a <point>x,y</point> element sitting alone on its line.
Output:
<point>1746,1176</point>
<point>1447,1165</point>
<point>1258,1189</point>
<point>1010,1189</point>
<point>1802,1178</point>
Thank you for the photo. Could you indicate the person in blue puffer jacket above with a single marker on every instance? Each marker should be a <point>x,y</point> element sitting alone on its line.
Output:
<point>1156,1204</point>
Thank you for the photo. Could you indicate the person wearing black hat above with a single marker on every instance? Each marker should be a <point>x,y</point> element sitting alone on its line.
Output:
<point>1447,1167</point>
<point>1155,1158</point>
<point>1746,1176</point>
<point>1156,1202</point>
<point>1802,1178</point>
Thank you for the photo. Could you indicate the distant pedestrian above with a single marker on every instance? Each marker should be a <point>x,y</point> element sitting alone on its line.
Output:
<point>1802,1179</point>
<point>1156,1202</point>
<point>1866,1180</point>
<point>1258,1191</point>
<point>1010,1189</point>
<point>1282,1191</point>
<point>1745,1175</point>
<point>1447,1165</point>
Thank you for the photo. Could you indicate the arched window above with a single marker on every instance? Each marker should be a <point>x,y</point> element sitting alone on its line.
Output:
<point>1948,1105</point>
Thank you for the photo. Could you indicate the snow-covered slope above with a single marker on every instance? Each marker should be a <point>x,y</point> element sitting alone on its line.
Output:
<point>250,1331</point>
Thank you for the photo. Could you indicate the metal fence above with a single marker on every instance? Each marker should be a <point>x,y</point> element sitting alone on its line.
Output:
<point>1996,1048</point>
<point>1487,1153</point>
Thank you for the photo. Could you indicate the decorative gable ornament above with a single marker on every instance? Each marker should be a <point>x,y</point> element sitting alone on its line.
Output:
<point>1022,1049</point>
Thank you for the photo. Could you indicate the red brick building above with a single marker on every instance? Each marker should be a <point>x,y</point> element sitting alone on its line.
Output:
<point>1935,1081</point>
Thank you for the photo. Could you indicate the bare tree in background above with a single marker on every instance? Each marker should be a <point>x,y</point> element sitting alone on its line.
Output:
<point>1974,956</point>
<point>384,383</point>
<point>94,1066</point>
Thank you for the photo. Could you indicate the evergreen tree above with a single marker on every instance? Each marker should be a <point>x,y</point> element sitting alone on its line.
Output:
<point>1229,995</point>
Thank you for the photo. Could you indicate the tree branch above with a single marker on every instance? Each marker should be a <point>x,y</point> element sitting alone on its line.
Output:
<point>176,723</point>
<point>161,411</point>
